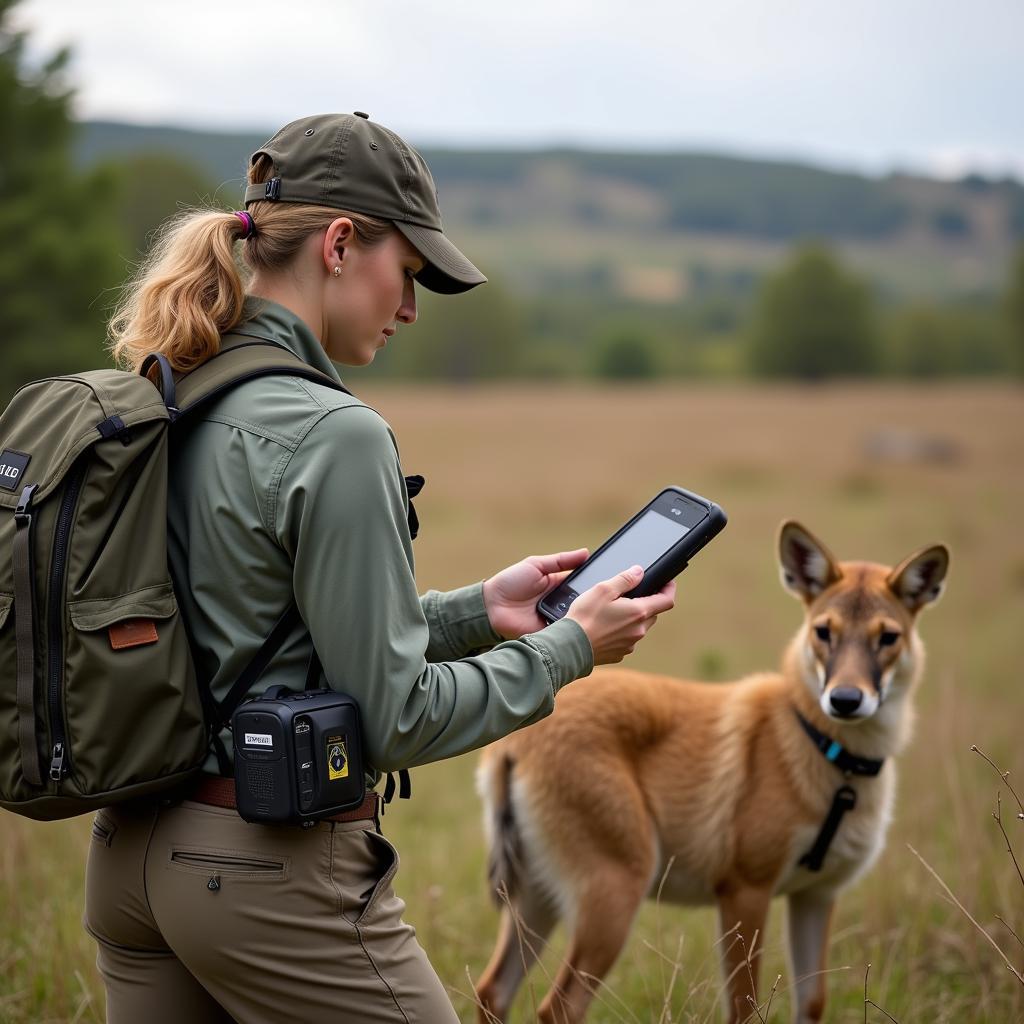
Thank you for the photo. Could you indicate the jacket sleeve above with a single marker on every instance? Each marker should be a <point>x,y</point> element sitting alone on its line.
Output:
<point>341,517</point>
<point>458,622</point>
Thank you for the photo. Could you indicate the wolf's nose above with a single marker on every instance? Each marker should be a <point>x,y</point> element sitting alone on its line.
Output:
<point>845,699</point>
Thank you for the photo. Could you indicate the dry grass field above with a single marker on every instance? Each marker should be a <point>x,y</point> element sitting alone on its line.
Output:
<point>514,471</point>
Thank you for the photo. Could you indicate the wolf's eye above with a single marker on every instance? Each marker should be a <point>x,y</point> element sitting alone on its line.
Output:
<point>823,634</point>
<point>888,638</point>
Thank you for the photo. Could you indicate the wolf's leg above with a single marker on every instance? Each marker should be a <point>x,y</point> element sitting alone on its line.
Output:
<point>603,919</point>
<point>742,911</point>
<point>808,916</point>
<point>526,922</point>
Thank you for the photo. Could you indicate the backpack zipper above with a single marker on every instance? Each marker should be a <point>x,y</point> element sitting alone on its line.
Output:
<point>60,763</point>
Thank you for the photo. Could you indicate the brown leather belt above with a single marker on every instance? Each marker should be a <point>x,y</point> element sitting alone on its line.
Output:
<point>217,791</point>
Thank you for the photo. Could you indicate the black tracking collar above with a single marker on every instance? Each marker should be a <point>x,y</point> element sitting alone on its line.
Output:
<point>847,763</point>
<point>845,798</point>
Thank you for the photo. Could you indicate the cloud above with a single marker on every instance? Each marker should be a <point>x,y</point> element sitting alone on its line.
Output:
<point>871,82</point>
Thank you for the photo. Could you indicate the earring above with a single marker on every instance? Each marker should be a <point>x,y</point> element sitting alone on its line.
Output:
<point>337,271</point>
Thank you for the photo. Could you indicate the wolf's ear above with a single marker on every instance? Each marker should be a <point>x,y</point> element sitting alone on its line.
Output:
<point>918,579</point>
<point>807,566</point>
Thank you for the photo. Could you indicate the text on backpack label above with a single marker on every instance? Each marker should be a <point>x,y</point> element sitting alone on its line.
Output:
<point>12,467</point>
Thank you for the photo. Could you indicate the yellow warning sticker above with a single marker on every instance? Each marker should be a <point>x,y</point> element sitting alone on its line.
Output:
<point>337,758</point>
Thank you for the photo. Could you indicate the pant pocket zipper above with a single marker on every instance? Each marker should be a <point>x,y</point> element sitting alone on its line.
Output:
<point>227,864</point>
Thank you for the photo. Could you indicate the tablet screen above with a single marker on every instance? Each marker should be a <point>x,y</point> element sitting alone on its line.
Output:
<point>642,544</point>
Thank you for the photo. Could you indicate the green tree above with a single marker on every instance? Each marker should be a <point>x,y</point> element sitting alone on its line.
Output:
<point>1015,310</point>
<point>628,356</point>
<point>813,320</point>
<point>920,344</point>
<point>153,186</point>
<point>946,341</point>
<point>58,239</point>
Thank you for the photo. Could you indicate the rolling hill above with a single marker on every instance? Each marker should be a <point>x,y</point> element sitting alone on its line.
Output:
<point>659,227</point>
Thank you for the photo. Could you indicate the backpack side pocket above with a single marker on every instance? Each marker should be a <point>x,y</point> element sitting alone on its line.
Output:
<point>132,704</point>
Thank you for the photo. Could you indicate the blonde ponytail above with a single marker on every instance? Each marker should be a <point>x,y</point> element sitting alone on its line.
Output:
<point>188,292</point>
<point>190,288</point>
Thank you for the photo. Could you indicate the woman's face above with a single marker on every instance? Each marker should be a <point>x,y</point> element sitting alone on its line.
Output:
<point>374,293</point>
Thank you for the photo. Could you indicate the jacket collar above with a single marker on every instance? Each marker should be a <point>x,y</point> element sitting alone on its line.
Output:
<point>270,321</point>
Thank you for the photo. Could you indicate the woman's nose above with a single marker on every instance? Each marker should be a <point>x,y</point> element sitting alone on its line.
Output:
<point>407,311</point>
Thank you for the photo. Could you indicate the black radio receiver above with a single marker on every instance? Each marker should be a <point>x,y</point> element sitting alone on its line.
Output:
<point>298,756</point>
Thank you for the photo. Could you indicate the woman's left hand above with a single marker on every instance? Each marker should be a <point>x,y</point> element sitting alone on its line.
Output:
<point>511,595</point>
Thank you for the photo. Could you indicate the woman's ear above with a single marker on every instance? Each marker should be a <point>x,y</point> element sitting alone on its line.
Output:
<point>338,237</point>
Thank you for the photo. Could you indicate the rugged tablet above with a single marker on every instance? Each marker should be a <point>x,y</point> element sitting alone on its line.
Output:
<point>662,537</point>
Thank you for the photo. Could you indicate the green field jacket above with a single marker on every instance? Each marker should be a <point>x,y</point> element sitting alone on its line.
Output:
<point>286,486</point>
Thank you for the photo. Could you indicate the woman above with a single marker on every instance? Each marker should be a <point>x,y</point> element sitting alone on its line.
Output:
<point>285,487</point>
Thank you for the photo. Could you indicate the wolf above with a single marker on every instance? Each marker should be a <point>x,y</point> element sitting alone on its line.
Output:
<point>779,784</point>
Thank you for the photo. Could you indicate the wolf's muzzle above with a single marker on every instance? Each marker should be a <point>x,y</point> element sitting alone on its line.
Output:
<point>845,701</point>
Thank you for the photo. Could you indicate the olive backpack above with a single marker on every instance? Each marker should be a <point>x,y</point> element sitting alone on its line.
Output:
<point>99,696</point>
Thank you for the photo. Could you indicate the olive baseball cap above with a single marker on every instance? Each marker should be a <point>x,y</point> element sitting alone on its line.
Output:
<point>352,163</point>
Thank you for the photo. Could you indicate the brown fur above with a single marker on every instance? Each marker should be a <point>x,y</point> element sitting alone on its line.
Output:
<point>710,792</point>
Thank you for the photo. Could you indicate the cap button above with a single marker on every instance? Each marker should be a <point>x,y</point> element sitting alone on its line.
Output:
<point>359,113</point>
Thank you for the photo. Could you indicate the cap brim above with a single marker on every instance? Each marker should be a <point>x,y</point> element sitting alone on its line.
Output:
<point>447,270</point>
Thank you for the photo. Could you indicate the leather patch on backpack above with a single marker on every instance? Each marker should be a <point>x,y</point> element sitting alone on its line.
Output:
<point>132,633</point>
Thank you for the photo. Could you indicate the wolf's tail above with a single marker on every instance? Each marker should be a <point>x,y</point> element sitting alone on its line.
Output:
<point>504,862</point>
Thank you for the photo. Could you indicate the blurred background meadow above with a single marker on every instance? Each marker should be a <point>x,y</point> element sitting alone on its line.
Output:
<point>816,315</point>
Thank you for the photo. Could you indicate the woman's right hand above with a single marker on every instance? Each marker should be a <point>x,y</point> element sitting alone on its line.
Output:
<point>615,624</point>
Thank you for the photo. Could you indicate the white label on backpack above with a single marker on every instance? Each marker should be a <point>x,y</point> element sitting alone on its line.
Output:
<point>259,739</point>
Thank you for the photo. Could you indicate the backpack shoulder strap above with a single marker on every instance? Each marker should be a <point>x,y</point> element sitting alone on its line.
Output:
<point>257,666</point>
<point>236,362</point>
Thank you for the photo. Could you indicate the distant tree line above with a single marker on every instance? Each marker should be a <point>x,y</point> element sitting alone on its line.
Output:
<point>70,238</point>
<point>814,320</point>
<point>711,193</point>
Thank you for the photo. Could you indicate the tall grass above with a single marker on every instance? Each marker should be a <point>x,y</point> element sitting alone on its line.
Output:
<point>517,471</point>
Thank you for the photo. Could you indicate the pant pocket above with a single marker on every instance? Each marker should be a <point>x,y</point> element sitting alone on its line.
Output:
<point>387,867</point>
<point>233,863</point>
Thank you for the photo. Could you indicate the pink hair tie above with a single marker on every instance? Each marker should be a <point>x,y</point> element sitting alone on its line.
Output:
<point>246,219</point>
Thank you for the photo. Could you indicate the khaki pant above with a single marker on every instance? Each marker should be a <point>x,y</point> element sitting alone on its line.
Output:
<point>202,917</point>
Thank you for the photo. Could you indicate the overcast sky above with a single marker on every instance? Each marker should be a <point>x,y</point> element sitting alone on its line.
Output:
<point>935,85</point>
